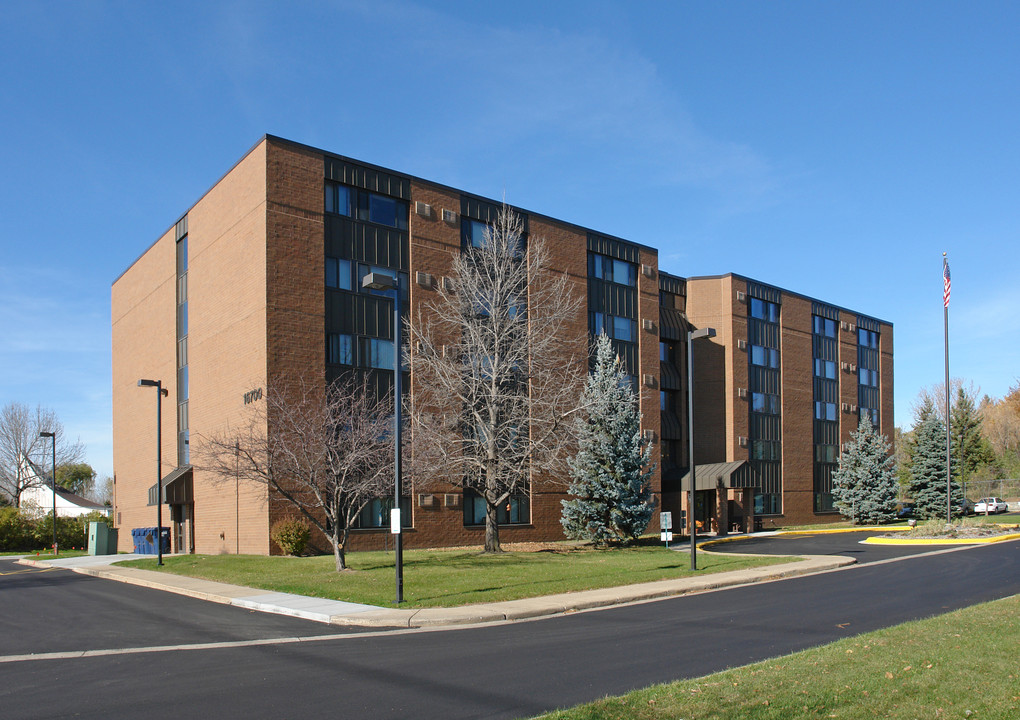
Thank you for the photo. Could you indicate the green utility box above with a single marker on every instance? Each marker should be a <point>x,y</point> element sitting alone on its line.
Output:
<point>102,539</point>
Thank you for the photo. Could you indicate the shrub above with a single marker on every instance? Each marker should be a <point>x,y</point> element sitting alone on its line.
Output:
<point>16,532</point>
<point>291,535</point>
<point>71,532</point>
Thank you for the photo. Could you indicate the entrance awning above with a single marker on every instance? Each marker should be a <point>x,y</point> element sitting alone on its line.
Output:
<point>727,475</point>
<point>178,487</point>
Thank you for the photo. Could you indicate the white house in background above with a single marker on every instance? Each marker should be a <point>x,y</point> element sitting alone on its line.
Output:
<point>37,498</point>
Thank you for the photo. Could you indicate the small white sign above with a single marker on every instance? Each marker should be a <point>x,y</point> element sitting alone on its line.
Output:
<point>395,521</point>
<point>666,520</point>
<point>666,536</point>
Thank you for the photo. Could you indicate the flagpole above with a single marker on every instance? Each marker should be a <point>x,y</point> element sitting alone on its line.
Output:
<point>945,303</point>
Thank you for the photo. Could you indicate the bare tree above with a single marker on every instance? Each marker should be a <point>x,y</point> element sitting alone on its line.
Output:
<point>327,451</point>
<point>20,426</point>
<point>496,371</point>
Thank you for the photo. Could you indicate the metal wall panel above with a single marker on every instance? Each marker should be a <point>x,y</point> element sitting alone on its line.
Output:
<point>378,181</point>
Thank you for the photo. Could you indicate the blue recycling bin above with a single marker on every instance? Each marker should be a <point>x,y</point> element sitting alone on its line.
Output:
<point>145,540</point>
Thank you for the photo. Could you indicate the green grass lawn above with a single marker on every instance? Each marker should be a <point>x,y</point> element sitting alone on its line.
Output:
<point>962,665</point>
<point>449,578</point>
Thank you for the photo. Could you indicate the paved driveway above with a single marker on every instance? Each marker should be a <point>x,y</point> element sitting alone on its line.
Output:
<point>846,544</point>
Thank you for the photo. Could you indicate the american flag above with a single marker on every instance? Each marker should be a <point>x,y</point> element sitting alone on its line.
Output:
<point>946,282</point>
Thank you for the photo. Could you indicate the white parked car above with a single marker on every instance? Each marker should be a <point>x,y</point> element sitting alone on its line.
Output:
<point>991,505</point>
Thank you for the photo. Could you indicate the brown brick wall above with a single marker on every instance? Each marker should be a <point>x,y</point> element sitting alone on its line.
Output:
<point>797,397</point>
<point>294,274</point>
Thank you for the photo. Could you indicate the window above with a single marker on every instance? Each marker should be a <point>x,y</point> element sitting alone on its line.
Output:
<point>667,352</point>
<point>382,210</point>
<point>825,369</point>
<point>182,319</point>
<point>338,199</point>
<point>612,270</point>
<point>624,329</point>
<point>767,504</point>
<point>766,403</point>
<point>824,326</point>
<point>338,349</point>
<point>366,206</point>
<point>376,514</point>
<point>377,353</point>
<point>868,377</point>
<point>473,232</point>
<point>764,310</point>
<point>825,411</point>
<point>765,450</point>
<point>765,357</point>
<point>515,511</point>
<point>867,338</point>
<point>826,453</point>
<point>618,328</point>
<point>338,273</point>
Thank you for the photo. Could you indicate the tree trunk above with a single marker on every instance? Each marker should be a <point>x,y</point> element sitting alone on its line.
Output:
<point>491,528</point>
<point>339,550</point>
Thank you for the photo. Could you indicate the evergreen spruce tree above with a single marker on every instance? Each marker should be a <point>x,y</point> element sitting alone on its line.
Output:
<point>611,475</point>
<point>928,471</point>
<point>864,486</point>
<point>970,449</point>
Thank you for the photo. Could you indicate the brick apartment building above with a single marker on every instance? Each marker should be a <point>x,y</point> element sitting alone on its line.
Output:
<point>261,279</point>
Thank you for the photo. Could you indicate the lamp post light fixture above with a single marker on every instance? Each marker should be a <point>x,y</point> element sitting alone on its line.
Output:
<point>381,281</point>
<point>53,437</point>
<point>692,335</point>
<point>161,392</point>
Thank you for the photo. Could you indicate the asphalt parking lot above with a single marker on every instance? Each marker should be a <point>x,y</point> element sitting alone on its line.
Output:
<point>847,544</point>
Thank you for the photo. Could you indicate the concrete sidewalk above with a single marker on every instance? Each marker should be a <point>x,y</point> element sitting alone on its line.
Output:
<point>343,613</point>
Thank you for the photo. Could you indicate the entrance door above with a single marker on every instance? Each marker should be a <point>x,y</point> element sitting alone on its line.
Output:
<point>704,503</point>
<point>184,530</point>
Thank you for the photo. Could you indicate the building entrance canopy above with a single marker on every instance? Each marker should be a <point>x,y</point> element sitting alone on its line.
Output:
<point>728,475</point>
<point>178,487</point>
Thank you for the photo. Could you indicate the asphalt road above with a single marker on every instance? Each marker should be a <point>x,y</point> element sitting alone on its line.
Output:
<point>846,544</point>
<point>505,671</point>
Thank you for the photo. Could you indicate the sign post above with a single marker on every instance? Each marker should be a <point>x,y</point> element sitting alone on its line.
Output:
<point>666,527</point>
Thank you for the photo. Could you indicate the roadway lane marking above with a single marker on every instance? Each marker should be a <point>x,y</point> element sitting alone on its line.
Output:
<point>75,654</point>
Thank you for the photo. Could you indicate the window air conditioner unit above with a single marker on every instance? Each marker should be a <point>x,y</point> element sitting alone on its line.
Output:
<point>853,328</point>
<point>846,407</point>
<point>426,500</point>
<point>853,367</point>
<point>742,392</point>
<point>451,500</point>
<point>845,366</point>
<point>845,326</point>
<point>647,324</point>
<point>648,435</point>
<point>422,278</point>
<point>741,344</point>
<point>741,296</point>
<point>742,441</point>
<point>647,271</point>
<point>853,408</point>
<point>648,380</point>
<point>448,284</point>
<point>423,209</point>
<point>449,216</point>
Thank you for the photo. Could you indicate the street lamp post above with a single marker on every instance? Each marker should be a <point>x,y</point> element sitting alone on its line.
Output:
<point>380,281</point>
<point>53,437</point>
<point>692,335</point>
<point>161,393</point>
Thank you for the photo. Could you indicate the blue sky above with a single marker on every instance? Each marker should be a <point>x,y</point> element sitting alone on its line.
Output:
<point>833,149</point>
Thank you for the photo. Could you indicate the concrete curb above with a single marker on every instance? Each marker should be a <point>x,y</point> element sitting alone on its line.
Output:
<point>350,614</point>
<point>940,541</point>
